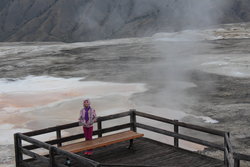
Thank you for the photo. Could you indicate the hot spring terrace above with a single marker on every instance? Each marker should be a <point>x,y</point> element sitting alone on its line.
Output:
<point>111,145</point>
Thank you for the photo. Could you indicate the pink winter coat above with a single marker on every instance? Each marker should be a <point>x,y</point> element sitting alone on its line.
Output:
<point>92,118</point>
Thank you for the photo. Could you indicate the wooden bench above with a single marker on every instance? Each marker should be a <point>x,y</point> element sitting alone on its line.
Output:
<point>102,141</point>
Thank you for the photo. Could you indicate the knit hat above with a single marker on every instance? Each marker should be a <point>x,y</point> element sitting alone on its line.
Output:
<point>86,101</point>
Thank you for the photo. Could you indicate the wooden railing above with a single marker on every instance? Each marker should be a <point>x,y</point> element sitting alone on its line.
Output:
<point>230,158</point>
<point>228,153</point>
<point>177,136</point>
<point>48,145</point>
<point>52,152</point>
<point>240,157</point>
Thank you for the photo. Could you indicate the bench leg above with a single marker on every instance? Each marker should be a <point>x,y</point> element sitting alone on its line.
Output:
<point>131,142</point>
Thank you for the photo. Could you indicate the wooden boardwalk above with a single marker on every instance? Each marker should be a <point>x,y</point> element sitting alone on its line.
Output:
<point>147,152</point>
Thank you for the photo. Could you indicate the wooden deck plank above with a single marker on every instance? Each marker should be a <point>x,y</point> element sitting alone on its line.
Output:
<point>147,152</point>
<point>101,142</point>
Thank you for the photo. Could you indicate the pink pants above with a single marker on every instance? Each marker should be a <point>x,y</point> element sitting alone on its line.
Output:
<point>88,132</point>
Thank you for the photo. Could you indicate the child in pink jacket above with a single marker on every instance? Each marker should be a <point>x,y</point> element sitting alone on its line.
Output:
<point>87,119</point>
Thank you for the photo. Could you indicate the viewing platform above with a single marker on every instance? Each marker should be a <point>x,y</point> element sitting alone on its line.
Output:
<point>124,145</point>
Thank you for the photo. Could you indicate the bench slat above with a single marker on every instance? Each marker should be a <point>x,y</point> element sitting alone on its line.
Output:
<point>101,142</point>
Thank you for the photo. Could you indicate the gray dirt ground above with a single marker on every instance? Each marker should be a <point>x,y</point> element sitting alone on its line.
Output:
<point>228,102</point>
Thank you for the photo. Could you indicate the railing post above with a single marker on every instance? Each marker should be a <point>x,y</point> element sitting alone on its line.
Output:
<point>52,156</point>
<point>59,136</point>
<point>133,120</point>
<point>99,127</point>
<point>236,162</point>
<point>226,163</point>
<point>176,130</point>
<point>18,152</point>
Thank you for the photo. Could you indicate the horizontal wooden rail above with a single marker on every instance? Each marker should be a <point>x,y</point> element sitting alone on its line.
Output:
<point>241,156</point>
<point>34,141</point>
<point>35,155</point>
<point>55,141</point>
<point>183,137</point>
<point>51,129</point>
<point>114,116</point>
<point>113,128</point>
<point>201,129</point>
<point>157,118</point>
<point>182,124</point>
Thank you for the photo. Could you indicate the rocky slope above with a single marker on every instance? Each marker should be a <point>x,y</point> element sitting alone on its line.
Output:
<point>87,20</point>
